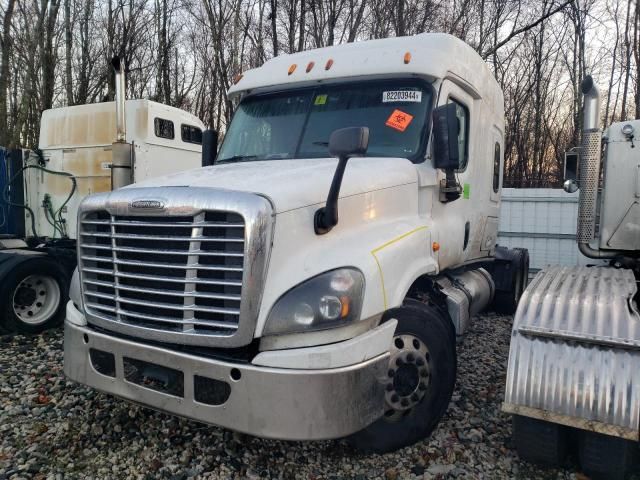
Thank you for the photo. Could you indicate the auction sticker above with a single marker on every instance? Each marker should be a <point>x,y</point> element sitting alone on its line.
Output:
<point>402,96</point>
<point>399,120</point>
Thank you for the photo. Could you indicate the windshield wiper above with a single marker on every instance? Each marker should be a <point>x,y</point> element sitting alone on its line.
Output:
<point>322,144</point>
<point>238,158</point>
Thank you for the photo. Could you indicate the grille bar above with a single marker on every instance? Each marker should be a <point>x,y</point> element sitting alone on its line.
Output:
<point>156,318</point>
<point>171,293</point>
<point>163,224</point>
<point>171,238</point>
<point>167,252</point>
<point>155,278</point>
<point>137,263</point>
<point>167,306</point>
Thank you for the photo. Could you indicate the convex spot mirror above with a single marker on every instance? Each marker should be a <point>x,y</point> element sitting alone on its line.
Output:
<point>446,127</point>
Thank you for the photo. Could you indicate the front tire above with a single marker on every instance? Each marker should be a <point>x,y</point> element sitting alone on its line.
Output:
<point>420,379</point>
<point>33,295</point>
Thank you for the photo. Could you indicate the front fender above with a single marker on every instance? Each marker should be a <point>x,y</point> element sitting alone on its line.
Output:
<point>378,232</point>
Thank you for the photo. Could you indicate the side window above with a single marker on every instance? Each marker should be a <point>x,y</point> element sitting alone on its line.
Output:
<point>462,113</point>
<point>163,128</point>
<point>191,134</point>
<point>496,168</point>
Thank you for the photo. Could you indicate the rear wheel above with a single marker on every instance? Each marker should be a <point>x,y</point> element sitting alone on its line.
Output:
<point>420,379</point>
<point>540,442</point>
<point>32,295</point>
<point>606,457</point>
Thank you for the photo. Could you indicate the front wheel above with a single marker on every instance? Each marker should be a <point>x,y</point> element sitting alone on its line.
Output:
<point>420,379</point>
<point>33,294</point>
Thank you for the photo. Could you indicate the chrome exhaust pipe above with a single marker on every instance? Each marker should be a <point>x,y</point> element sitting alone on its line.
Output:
<point>121,120</point>
<point>590,170</point>
<point>121,151</point>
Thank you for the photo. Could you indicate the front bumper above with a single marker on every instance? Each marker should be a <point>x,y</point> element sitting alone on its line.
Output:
<point>288,404</point>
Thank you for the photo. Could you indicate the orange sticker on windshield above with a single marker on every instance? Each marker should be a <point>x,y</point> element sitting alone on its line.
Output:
<point>399,120</point>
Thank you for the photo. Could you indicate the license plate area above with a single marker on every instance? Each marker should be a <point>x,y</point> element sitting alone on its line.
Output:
<point>153,376</point>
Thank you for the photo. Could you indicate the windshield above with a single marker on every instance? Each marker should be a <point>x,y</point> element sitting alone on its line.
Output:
<point>297,123</point>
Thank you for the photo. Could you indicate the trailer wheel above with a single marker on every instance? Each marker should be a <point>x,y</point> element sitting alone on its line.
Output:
<point>606,457</point>
<point>33,294</point>
<point>540,442</point>
<point>517,268</point>
<point>420,379</point>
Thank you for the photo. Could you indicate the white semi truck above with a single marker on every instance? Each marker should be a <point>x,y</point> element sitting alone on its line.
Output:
<point>82,149</point>
<point>575,348</point>
<point>312,283</point>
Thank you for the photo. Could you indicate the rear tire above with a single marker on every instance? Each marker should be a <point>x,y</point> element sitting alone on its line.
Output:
<point>424,341</point>
<point>33,295</point>
<point>540,442</point>
<point>606,457</point>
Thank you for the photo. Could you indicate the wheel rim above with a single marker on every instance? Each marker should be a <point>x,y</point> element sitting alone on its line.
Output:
<point>408,378</point>
<point>36,299</point>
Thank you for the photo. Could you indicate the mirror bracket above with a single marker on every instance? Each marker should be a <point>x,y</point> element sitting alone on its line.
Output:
<point>344,144</point>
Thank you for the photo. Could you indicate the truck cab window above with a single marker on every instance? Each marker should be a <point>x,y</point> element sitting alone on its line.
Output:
<point>163,128</point>
<point>191,134</point>
<point>496,168</point>
<point>298,123</point>
<point>462,113</point>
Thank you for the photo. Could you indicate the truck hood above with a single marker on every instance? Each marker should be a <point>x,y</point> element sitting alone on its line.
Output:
<point>292,184</point>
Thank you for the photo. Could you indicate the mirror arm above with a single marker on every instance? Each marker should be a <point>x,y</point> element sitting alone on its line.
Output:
<point>327,217</point>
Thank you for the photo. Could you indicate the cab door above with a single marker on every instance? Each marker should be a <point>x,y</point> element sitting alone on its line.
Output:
<point>462,219</point>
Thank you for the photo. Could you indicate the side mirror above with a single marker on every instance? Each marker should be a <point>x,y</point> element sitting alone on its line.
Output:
<point>446,127</point>
<point>209,147</point>
<point>344,144</point>
<point>571,159</point>
<point>571,165</point>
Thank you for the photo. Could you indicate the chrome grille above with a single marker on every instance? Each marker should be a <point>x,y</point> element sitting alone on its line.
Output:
<point>176,274</point>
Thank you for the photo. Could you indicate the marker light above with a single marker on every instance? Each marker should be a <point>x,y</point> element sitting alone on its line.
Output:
<point>435,246</point>
<point>407,57</point>
<point>310,66</point>
<point>292,68</point>
<point>238,78</point>
<point>627,130</point>
<point>329,64</point>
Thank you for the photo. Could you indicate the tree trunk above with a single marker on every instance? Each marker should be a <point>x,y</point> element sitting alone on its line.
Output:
<point>5,43</point>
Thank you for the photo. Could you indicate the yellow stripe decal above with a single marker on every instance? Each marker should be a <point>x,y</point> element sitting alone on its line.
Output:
<point>385,245</point>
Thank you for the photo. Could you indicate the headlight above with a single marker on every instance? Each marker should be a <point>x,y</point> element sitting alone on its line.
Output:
<point>331,299</point>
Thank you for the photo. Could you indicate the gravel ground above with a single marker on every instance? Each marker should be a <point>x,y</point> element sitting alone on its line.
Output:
<point>51,428</point>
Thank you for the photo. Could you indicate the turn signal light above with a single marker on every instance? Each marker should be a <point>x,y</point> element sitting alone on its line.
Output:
<point>344,311</point>
<point>292,68</point>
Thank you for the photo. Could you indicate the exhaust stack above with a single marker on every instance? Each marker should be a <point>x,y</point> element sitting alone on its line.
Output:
<point>590,170</point>
<point>121,152</point>
<point>121,120</point>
